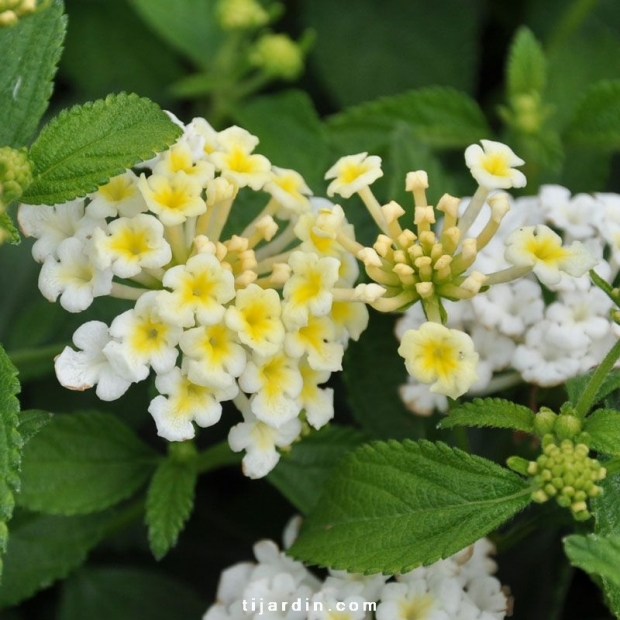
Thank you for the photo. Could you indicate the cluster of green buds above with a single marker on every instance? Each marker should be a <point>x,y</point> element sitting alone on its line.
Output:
<point>15,174</point>
<point>12,10</point>
<point>564,471</point>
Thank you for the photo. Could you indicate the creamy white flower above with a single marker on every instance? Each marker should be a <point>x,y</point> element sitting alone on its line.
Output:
<point>578,215</point>
<point>441,356</point>
<point>186,402</point>
<point>318,403</point>
<point>181,157</point>
<point>401,601</point>
<point>350,319</point>
<point>73,277</point>
<point>353,173</point>
<point>318,341</point>
<point>144,340</point>
<point>255,318</point>
<point>275,382</point>
<point>200,288</point>
<point>130,245</point>
<point>541,248</point>
<point>289,189</point>
<point>119,196</point>
<point>492,165</point>
<point>259,440</point>
<point>82,370</point>
<point>329,604</point>
<point>419,399</point>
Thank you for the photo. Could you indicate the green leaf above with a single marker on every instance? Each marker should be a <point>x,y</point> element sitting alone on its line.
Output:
<point>187,25</point>
<point>290,114</point>
<point>439,117</point>
<point>596,121</point>
<point>43,549</point>
<point>123,593</point>
<point>84,146</point>
<point>30,51</point>
<point>31,422</point>
<point>11,444</point>
<point>373,372</point>
<point>603,426</point>
<point>169,503</point>
<point>368,48</point>
<point>526,71</point>
<point>493,412</point>
<point>8,231</point>
<point>576,385</point>
<point>598,555</point>
<point>392,506</point>
<point>301,473</point>
<point>83,462</point>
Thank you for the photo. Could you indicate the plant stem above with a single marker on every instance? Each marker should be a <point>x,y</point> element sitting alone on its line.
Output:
<point>215,457</point>
<point>573,17</point>
<point>589,394</point>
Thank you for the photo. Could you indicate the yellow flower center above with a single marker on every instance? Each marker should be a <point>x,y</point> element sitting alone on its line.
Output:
<point>117,189</point>
<point>309,288</point>
<point>350,172</point>
<point>130,242</point>
<point>239,161</point>
<point>149,336</point>
<point>417,609</point>
<point>497,165</point>
<point>440,358</point>
<point>547,249</point>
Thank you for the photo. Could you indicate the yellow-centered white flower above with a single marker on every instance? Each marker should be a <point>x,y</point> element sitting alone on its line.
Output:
<point>289,189</point>
<point>440,356</point>
<point>492,165</point>
<point>119,196</point>
<point>541,248</point>
<point>200,288</point>
<point>352,173</point>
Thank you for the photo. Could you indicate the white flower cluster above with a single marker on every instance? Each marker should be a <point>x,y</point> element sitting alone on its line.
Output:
<point>260,317</point>
<point>518,335</point>
<point>278,588</point>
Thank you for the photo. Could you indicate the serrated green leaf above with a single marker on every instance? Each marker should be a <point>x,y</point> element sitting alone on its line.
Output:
<point>31,421</point>
<point>291,114</point>
<point>576,385</point>
<point>392,506</point>
<point>406,44</point>
<point>169,503</point>
<point>81,463</point>
<point>373,372</point>
<point>8,231</point>
<point>598,555</point>
<point>84,146</point>
<point>301,473</point>
<point>30,51</point>
<point>45,548</point>
<point>124,593</point>
<point>493,412</point>
<point>11,444</point>
<point>187,25</point>
<point>439,117</point>
<point>526,71</point>
<point>603,426</point>
<point>596,121</point>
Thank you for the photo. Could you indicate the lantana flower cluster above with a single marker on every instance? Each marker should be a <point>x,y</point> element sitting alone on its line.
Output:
<point>461,587</point>
<point>440,260</point>
<point>525,332</point>
<point>259,315</point>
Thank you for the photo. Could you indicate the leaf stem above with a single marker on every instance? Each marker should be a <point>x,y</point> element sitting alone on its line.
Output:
<point>216,456</point>
<point>591,390</point>
<point>573,17</point>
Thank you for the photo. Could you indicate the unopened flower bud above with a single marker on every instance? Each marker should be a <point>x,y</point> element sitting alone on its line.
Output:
<point>278,56</point>
<point>15,174</point>
<point>416,180</point>
<point>241,15</point>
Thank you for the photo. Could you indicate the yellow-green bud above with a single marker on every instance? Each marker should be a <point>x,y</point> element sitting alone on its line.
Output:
<point>12,10</point>
<point>241,15</point>
<point>15,174</point>
<point>567,427</point>
<point>544,421</point>
<point>278,56</point>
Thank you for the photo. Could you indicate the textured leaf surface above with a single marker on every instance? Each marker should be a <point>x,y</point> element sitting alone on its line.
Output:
<point>84,146</point>
<point>598,555</point>
<point>604,428</point>
<point>11,444</point>
<point>596,121</point>
<point>392,506</point>
<point>440,117</point>
<point>493,412</point>
<point>30,51</point>
<point>31,422</point>
<point>169,503</point>
<point>302,472</point>
<point>45,548</point>
<point>83,462</point>
<point>8,231</point>
<point>526,70</point>
<point>122,593</point>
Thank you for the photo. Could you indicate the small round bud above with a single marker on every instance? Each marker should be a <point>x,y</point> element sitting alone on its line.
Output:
<point>567,427</point>
<point>241,15</point>
<point>278,56</point>
<point>15,173</point>
<point>544,421</point>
